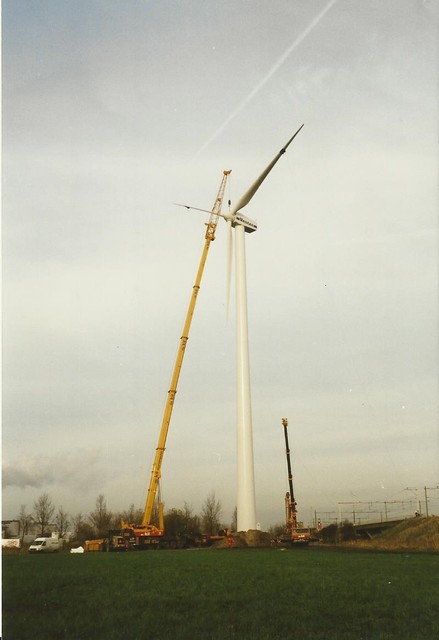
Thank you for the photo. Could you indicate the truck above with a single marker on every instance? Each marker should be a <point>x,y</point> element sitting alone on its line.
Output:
<point>127,538</point>
<point>45,545</point>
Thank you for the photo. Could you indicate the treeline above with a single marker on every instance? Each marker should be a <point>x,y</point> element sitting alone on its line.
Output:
<point>97,523</point>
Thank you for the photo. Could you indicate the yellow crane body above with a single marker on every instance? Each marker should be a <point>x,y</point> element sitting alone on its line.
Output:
<point>296,534</point>
<point>147,528</point>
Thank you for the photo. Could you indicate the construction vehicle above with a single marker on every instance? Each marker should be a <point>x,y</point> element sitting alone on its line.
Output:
<point>151,532</point>
<point>296,534</point>
<point>46,544</point>
<point>117,540</point>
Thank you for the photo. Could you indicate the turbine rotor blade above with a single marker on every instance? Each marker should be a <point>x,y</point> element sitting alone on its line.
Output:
<point>186,206</point>
<point>229,265</point>
<point>226,216</point>
<point>248,195</point>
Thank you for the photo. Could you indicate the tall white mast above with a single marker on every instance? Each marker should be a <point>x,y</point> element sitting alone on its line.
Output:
<point>246,501</point>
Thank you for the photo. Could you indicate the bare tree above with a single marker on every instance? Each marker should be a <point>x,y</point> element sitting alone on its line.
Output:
<point>192,521</point>
<point>82,530</point>
<point>77,524</point>
<point>210,514</point>
<point>174,523</point>
<point>24,519</point>
<point>182,523</point>
<point>132,515</point>
<point>43,510</point>
<point>62,522</point>
<point>101,518</point>
<point>277,530</point>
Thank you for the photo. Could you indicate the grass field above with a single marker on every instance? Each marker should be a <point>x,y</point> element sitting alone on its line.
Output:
<point>211,594</point>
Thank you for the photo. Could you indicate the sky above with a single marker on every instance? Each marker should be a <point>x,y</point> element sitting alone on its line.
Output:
<point>114,111</point>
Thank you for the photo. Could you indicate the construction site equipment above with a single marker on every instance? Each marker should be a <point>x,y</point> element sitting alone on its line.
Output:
<point>150,533</point>
<point>296,534</point>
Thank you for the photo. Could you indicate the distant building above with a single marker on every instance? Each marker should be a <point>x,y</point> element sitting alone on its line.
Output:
<point>12,529</point>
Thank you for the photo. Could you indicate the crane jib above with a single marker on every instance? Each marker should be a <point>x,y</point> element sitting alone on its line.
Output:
<point>156,469</point>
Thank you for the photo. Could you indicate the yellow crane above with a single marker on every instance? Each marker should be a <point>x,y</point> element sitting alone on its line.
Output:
<point>296,534</point>
<point>149,533</point>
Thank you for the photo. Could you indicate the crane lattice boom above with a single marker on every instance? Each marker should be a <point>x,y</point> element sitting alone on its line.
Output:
<point>290,503</point>
<point>158,459</point>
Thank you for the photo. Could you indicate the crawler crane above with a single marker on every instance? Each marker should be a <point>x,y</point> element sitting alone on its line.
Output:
<point>150,533</point>
<point>296,535</point>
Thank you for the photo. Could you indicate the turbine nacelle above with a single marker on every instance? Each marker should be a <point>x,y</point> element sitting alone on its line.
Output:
<point>235,218</point>
<point>248,224</point>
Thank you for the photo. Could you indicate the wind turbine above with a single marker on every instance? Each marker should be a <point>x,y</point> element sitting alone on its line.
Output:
<point>246,501</point>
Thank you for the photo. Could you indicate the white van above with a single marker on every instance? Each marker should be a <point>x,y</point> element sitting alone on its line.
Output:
<point>45,545</point>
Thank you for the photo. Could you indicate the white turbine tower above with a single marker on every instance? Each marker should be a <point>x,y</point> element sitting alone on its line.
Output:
<point>246,501</point>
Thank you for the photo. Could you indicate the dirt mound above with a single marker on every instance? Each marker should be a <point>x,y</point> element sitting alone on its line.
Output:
<point>255,538</point>
<point>420,534</point>
<point>246,539</point>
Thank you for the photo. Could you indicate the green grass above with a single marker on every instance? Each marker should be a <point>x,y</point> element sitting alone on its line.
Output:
<point>257,594</point>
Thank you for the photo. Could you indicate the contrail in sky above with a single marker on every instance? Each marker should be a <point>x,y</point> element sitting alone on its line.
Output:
<point>270,73</point>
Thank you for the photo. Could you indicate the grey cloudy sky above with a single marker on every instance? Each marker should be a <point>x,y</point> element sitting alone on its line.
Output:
<point>112,111</point>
